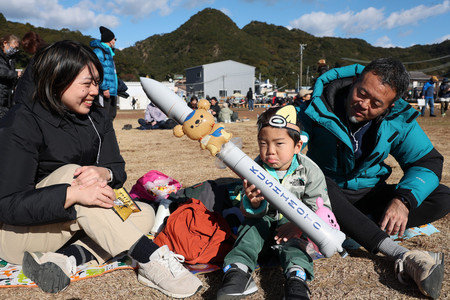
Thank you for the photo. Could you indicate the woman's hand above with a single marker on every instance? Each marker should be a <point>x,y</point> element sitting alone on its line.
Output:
<point>287,231</point>
<point>88,175</point>
<point>253,194</point>
<point>97,194</point>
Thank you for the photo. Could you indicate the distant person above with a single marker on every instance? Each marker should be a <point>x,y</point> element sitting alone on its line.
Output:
<point>215,108</point>
<point>355,121</point>
<point>154,118</point>
<point>225,113</point>
<point>104,49</point>
<point>322,67</point>
<point>444,95</point>
<point>303,97</point>
<point>133,103</point>
<point>193,102</point>
<point>428,94</point>
<point>250,99</point>
<point>8,74</point>
<point>60,162</point>
<point>279,153</point>
<point>31,43</point>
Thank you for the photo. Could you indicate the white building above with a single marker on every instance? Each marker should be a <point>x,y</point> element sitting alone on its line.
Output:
<point>136,91</point>
<point>220,79</point>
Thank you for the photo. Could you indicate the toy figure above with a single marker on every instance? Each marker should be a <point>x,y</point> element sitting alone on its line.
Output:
<point>199,125</point>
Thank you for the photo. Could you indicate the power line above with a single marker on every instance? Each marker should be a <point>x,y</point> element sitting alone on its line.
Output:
<point>405,63</point>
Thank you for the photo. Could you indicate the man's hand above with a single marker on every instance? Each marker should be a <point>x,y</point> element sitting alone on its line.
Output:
<point>106,94</point>
<point>395,218</point>
<point>286,232</point>
<point>253,194</point>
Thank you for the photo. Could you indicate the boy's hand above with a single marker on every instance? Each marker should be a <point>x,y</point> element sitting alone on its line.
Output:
<point>286,232</point>
<point>253,194</point>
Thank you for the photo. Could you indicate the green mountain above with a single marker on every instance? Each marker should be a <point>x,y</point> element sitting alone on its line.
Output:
<point>211,36</point>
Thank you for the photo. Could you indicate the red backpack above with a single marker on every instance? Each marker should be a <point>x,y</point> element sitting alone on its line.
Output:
<point>198,234</point>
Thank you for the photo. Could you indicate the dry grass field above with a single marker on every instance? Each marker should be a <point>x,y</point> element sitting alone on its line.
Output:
<point>359,276</point>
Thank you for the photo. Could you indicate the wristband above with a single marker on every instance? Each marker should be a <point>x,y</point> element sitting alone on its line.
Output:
<point>110,175</point>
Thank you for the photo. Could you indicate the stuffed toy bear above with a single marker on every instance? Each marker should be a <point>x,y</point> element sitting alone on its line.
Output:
<point>199,125</point>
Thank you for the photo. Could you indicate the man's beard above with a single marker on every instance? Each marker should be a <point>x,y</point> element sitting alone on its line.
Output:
<point>353,120</point>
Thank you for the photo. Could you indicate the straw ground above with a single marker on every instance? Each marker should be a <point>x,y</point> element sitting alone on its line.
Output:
<point>359,276</point>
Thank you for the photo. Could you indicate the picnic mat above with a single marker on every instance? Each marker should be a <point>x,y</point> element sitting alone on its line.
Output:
<point>11,275</point>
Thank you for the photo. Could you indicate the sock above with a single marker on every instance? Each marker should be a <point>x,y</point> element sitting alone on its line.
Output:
<point>390,248</point>
<point>142,249</point>
<point>81,254</point>
<point>241,267</point>
<point>299,272</point>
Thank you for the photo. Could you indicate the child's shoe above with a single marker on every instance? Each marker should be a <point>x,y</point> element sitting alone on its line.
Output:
<point>50,271</point>
<point>296,287</point>
<point>425,268</point>
<point>165,273</point>
<point>236,284</point>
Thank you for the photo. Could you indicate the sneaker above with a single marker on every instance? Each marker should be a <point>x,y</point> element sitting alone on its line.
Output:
<point>236,284</point>
<point>166,273</point>
<point>296,287</point>
<point>50,271</point>
<point>432,116</point>
<point>425,268</point>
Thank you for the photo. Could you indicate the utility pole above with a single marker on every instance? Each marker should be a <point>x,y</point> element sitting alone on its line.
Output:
<point>302,46</point>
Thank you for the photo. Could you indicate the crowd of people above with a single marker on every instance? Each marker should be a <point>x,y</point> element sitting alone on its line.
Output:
<point>61,163</point>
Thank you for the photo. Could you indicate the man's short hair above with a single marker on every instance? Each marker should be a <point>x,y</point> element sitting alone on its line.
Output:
<point>391,72</point>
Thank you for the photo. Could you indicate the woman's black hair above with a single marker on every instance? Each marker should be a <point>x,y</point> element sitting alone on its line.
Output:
<point>264,118</point>
<point>56,66</point>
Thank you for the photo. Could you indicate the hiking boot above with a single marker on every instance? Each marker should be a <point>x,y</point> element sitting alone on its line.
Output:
<point>166,273</point>
<point>50,271</point>
<point>425,268</point>
<point>236,284</point>
<point>296,287</point>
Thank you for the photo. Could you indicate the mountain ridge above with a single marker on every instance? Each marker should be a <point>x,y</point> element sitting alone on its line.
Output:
<point>211,36</point>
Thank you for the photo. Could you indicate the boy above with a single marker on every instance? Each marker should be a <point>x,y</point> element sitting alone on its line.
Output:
<point>279,153</point>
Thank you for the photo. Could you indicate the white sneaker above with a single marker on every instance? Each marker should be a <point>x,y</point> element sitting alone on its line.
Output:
<point>165,273</point>
<point>425,268</point>
<point>50,271</point>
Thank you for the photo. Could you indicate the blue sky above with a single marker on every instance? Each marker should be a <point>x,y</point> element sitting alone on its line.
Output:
<point>394,23</point>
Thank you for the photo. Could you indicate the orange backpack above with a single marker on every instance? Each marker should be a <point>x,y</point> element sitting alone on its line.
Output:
<point>198,234</point>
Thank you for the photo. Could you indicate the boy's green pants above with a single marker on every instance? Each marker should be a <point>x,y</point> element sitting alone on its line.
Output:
<point>255,236</point>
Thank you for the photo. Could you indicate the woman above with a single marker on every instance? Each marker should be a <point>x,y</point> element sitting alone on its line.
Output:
<point>59,164</point>
<point>8,76</point>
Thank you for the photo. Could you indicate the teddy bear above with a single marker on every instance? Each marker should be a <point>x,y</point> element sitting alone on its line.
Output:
<point>199,125</point>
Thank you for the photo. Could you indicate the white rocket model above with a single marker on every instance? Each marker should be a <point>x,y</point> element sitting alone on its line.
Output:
<point>328,239</point>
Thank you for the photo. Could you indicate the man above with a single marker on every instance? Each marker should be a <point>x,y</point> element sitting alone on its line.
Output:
<point>104,48</point>
<point>154,118</point>
<point>355,120</point>
<point>250,99</point>
<point>428,95</point>
<point>215,108</point>
<point>444,95</point>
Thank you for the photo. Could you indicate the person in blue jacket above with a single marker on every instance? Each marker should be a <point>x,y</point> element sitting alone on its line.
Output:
<point>428,94</point>
<point>355,120</point>
<point>104,49</point>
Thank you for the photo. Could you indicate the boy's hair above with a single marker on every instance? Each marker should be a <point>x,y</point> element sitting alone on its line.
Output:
<point>293,128</point>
